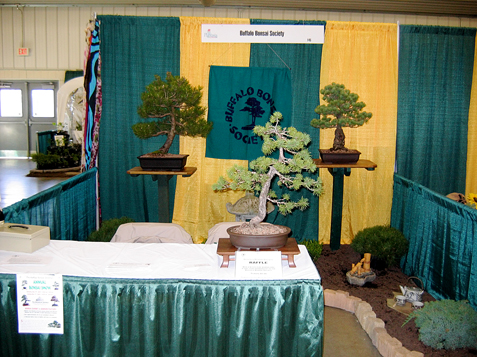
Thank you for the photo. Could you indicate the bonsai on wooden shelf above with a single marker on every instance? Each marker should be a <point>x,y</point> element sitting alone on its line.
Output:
<point>175,106</point>
<point>342,110</point>
<point>293,158</point>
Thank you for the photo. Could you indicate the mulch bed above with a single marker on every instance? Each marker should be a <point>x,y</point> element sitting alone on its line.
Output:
<point>333,265</point>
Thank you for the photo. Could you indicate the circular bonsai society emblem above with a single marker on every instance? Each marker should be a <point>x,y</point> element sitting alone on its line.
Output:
<point>243,109</point>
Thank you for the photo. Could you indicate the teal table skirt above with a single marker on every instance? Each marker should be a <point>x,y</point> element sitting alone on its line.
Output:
<point>123,317</point>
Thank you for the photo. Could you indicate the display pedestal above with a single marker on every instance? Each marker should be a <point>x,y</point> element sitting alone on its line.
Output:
<point>227,250</point>
<point>338,171</point>
<point>162,178</point>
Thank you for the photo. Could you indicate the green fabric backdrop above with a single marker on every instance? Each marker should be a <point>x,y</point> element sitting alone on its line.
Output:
<point>435,79</point>
<point>304,60</point>
<point>133,50</point>
<point>442,237</point>
<point>165,317</point>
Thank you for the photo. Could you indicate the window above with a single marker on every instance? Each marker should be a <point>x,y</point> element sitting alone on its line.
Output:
<point>11,102</point>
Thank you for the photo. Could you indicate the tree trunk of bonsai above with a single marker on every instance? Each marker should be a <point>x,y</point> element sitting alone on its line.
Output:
<point>262,205</point>
<point>339,141</point>
<point>170,138</point>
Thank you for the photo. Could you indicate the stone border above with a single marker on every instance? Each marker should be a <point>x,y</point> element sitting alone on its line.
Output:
<point>386,345</point>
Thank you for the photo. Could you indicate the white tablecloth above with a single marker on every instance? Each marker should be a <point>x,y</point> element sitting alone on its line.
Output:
<point>138,261</point>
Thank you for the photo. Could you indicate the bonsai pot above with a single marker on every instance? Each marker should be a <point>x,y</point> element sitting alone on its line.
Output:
<point>164,162</point>
<point>258,241</point>
<point>337,157</point>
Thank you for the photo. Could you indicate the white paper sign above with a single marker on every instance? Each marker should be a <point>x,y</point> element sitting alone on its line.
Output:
<point>310,34</point>
<point>263,265</point>
<point>40,303</point>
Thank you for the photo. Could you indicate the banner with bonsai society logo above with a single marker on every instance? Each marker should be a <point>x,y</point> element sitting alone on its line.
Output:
<point>239,99</point>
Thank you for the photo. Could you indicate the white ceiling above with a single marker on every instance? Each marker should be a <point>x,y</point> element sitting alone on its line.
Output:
<point>461,8</point>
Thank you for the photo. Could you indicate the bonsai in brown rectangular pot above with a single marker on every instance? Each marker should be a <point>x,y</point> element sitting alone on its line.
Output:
<point>174,106</point>
<point>342,110</point>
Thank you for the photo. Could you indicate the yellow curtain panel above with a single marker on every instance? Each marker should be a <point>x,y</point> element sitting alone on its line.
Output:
<point>363,57</point>
<point>471,173</point>
<point>197,207</point>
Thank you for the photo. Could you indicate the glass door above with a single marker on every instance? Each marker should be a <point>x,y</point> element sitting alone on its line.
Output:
<point>13,119</point>
<point>25,109</point>
<point>42,110</point>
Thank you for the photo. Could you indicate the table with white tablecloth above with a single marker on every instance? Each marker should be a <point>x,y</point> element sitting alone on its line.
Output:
<point>131,299</point>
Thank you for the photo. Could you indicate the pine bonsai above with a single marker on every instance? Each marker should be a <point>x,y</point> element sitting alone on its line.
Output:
<point>342,110</point>
<point>288,170</point>
<point>175,105</point>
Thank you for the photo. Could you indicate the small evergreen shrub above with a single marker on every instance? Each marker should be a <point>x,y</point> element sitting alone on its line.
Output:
<point>383,242</point>
<point>108,229</point>
<point>446,324</point>
<point>314,248</point>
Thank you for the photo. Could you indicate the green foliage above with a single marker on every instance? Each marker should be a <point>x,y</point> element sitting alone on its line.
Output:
<point>293,158</point>
<point>383,242</point>
<point>446,324</point>
<point>59,157</point>
<point>342,109</point>
<point>175,105</point>
<point>314,248</point>
<point>108,229</point>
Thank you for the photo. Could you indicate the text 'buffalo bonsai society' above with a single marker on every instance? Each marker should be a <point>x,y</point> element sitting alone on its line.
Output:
<point>342,110</point>
<point>175,106</point>
<point>293,159</point>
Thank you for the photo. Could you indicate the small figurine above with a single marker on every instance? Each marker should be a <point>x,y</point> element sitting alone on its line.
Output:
<point>361,272</point>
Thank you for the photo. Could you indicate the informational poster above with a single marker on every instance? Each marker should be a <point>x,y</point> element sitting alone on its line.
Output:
<point>261,265</point>
<point>40,303</point>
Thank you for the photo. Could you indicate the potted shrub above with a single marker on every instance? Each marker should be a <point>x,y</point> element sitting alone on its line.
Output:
<point>174,106</point>
<point>342,110</point>
<point>293,159</point>
<point>386,244</point>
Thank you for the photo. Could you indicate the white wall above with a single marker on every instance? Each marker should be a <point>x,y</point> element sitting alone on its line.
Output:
<point>56,35</point>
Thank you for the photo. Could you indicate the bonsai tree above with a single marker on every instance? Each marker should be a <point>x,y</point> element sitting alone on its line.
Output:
<point>342,110</point>
<point>292,160</point>
<point>175,105</point>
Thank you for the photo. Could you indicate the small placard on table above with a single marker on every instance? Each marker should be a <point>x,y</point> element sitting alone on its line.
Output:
<point>227,251</point>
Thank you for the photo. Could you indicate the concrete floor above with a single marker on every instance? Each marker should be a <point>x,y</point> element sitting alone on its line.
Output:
<point>343,335</point>
<point>15,185</point>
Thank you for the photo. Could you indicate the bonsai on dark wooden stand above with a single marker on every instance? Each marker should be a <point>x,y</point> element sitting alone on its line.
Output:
<point>342,110</point>
<point>175,106</point>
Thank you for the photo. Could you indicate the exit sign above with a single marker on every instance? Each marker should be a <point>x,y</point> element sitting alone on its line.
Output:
<point>23,51</point>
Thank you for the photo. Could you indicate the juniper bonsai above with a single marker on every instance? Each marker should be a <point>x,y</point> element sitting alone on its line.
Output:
<point>175,104</point>
<point>342,110</point>
<point>293,158</point>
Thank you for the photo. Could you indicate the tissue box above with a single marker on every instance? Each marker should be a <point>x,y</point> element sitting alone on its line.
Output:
<point>23,238</point>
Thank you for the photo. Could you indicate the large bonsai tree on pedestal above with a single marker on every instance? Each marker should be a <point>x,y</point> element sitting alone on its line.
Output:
<point>293,158</point>
<point>175,105</point>
<point>342,110</point>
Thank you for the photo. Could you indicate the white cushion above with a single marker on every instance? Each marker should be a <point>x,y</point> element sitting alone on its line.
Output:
<point>220,231</point>
<point>151,233</point>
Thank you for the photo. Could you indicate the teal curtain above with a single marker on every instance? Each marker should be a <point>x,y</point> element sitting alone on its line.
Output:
<point>133,50</point>
<point>442,238</point>
<point>123,317</point>
<point>73,74</point>
<point>305,98</point>
<point>435,78</point>
<point>68,208</point>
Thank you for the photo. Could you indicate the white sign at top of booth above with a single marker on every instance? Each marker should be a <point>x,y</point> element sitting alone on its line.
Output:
<point>308,34</point>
